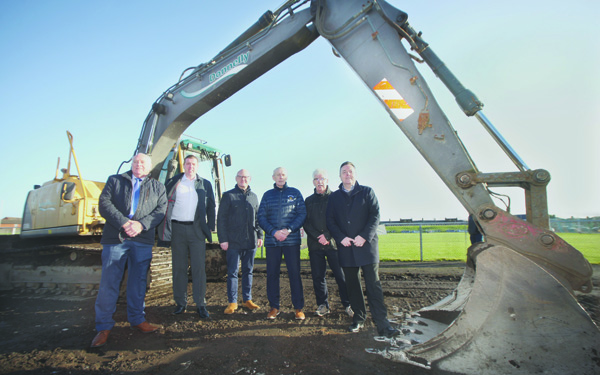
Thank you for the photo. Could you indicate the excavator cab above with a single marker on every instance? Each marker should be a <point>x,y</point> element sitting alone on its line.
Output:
<point>212,162</point>
<point>64,206</point>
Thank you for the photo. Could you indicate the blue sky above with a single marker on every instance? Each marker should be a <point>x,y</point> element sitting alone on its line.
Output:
<point>95,68</point>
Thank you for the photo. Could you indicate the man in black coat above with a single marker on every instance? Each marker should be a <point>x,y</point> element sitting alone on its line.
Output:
<point>352,220</point>
<point>322,248</point>
<point>239,235</point>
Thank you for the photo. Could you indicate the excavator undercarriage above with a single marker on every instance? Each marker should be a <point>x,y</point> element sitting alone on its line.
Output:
<point>72,266</point>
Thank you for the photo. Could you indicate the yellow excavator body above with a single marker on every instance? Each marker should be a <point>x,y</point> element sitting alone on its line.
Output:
<point>62,207</point>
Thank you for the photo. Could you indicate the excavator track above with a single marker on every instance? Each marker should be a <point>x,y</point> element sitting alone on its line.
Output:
<point>73,267</point>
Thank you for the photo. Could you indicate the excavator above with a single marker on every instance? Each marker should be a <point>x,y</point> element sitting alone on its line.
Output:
<point>58,250</point>
<point>514,310</point>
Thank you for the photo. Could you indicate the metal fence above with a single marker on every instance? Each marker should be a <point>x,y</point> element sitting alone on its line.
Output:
<point>429,233</point>
<point>576,225</point>
<point>425,229</point>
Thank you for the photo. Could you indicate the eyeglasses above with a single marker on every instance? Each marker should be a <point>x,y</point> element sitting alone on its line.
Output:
<point>246,177</point>
<point>320,179</point>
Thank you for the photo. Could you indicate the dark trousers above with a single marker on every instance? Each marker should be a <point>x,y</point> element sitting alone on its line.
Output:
<point>185,243</point>
<point>374,294</point>
<point>474,233</point>
<point>318,268</point>
<point>292,262</point>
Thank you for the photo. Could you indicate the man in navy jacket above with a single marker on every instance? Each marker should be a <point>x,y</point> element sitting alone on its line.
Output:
<point>281,214</point>
<point>352,220</point>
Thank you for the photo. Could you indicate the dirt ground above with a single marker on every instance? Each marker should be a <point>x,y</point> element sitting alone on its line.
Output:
<point>42,334</point>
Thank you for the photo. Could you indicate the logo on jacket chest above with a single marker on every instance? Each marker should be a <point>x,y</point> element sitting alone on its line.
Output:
<point>291,198</point>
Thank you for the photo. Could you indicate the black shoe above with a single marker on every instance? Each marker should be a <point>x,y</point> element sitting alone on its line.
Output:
<point>179,309</point>
<point>389,332</point>
<point>355,327</point>
<point>203,312</point>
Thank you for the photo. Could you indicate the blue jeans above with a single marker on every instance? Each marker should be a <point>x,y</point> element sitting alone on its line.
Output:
<point>318,268</point>
<point>233,261</point>
<point>292,262</point>
<point>137,257</point>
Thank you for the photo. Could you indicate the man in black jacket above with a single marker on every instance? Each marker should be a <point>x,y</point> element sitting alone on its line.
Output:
<point>133,205</point>
<point>239,235</point>
<point>190,220</point>
<point>321,246</point>
<point>352,219</point>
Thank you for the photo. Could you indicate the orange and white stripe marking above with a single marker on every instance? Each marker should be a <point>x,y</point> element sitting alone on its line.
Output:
<point>392,98</point>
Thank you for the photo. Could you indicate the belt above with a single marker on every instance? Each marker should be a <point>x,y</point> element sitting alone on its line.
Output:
<point>182,222</point>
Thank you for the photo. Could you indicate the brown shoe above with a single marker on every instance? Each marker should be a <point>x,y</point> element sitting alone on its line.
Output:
<point>231,308</point>
<point>100,339</point>
<point>251,305</point>
<point>273,313</point>
<point>299,315</point>
<point>146,327</point>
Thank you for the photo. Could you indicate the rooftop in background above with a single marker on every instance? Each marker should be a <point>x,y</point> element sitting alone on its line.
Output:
<point>10,220</point>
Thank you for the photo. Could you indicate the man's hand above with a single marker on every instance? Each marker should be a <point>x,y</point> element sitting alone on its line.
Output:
<point>323,240</point>
<point>347,241</point>
<point>359,241</point>
<point>225,246</point>
<point>281,235</point>
<point>260,242</point>
<point>133,228</point>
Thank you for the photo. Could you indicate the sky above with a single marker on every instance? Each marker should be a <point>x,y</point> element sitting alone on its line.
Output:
<point>94,68</point>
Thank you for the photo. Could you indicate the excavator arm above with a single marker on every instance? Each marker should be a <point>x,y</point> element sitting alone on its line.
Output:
<point>514,310</point>
<point>275,36</point>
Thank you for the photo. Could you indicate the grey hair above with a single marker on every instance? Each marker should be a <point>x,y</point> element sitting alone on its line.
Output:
<point>321,172</point>
<point>278,168</point>
<point>146,157</point>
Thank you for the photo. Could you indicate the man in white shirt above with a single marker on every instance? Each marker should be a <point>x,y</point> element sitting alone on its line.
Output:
<point>190,219</point>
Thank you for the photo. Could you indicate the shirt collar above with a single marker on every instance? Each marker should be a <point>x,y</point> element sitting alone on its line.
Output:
<point>190,179</point>
<point>351,188</point>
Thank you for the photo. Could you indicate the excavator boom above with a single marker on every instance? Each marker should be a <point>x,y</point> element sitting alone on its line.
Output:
<point>269,42</point>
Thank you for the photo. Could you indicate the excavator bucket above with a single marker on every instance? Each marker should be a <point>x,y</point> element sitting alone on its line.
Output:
<point>508,315</point>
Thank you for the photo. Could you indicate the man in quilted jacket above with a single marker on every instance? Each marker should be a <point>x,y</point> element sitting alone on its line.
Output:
<point>281,214</point>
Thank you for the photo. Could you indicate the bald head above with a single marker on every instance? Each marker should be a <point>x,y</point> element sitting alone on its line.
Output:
<point>280,176</point>
<point>243,178</point>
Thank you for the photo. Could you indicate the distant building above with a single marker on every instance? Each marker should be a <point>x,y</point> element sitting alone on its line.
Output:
<point>10,225</point>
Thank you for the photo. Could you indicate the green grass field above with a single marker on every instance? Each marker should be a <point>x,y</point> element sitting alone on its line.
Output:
<point>440,246</point>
